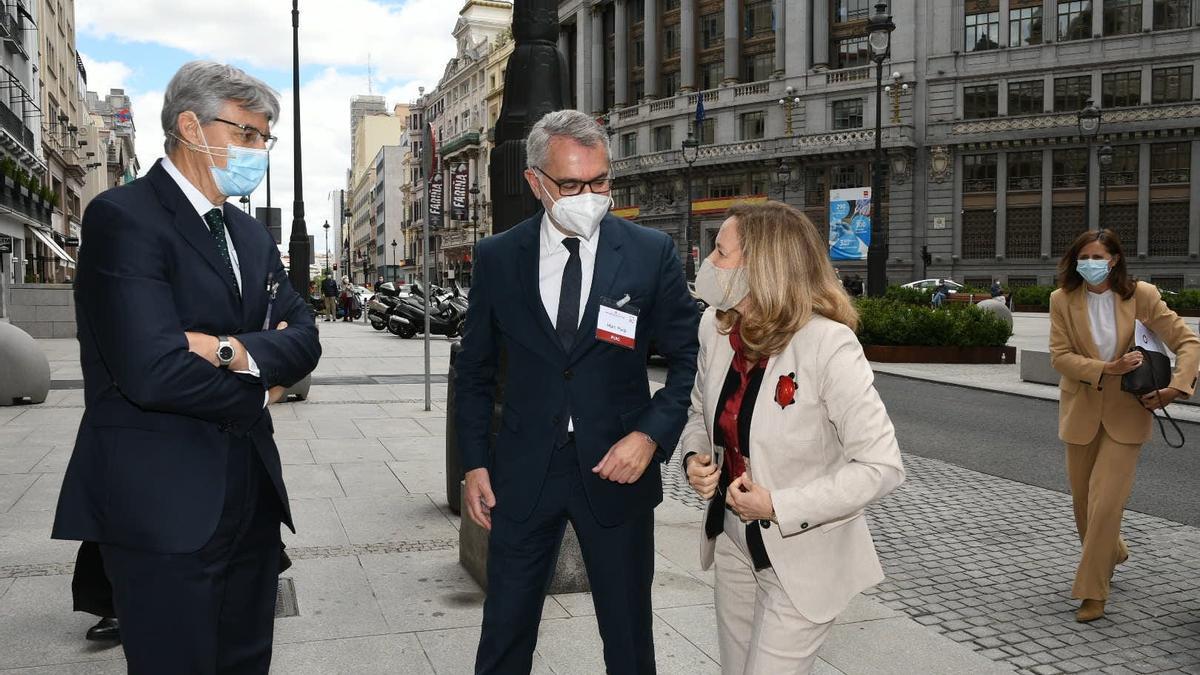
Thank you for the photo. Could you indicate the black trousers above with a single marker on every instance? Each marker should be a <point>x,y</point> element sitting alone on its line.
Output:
<point>521,560</point>
<point>212,611</point>
<point>90,590</point>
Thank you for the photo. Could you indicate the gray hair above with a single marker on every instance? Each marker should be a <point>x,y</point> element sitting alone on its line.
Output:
<point>573,124</point>
<point>203,87</point>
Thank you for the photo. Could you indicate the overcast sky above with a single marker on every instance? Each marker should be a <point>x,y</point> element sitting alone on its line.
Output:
<point>138,45</point>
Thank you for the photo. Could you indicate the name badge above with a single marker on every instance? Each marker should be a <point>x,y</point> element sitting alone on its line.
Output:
<point>617,323</point>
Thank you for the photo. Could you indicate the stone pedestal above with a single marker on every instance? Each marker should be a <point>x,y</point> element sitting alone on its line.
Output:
<point>298,391</point>
<point>570,575</point>
<point>26,370</point>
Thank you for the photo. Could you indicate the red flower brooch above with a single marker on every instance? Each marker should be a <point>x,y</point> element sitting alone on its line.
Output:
<point>785,390</point>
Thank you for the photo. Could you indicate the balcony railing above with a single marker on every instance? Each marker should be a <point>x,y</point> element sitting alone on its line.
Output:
<point>1119,178</point>
<point>979,185</point>
<point>1070,180</point>
<point>848,75</point>
<point>1170,176</point>
<point>1024,183</point>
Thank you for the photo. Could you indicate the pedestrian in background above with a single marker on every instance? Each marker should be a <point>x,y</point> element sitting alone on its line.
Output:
<point>940,293</point>
<point>997,289</point>
<point>788,437</point>
<point>347,299</point>
<point>1091,330</point>
<point>329,290</point>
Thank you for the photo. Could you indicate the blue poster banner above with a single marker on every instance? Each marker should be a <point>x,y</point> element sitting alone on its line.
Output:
<point>849,223</point>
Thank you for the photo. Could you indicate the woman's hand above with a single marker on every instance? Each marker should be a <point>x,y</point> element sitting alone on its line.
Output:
<point>702,475</point>
<point>749,500</point>
<point>1126,364</point>
<point>1156,400</point>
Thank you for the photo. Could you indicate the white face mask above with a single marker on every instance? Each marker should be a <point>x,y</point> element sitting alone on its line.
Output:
<point>580,214</point>
<point>722,288</point>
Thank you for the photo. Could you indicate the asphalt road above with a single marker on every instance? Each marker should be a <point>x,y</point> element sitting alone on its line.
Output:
<point>1017,438</point>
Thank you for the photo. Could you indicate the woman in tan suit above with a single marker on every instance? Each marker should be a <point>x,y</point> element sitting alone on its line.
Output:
<point>1091,330</point>
<point>789,438</point>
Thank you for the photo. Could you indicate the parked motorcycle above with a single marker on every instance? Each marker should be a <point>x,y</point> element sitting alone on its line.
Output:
<point>446,313</point>
<point>382,304</point>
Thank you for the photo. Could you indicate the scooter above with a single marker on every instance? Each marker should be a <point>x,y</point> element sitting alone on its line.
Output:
<point>445,317</point>
<point>381,305</point>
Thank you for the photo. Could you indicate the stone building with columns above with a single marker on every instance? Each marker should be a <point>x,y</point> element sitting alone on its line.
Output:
<point>987,170</point>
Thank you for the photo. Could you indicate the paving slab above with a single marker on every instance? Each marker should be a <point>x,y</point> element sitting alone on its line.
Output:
<point>38,628</point>
<point>382,655</point>
<point>42,495</point>
<point>342,451</point>
<point>879,646</point>
<point>573,646</point>
<point>13,487</point>
<point>335,600</point>
<point>401,518</point>
<point>453,651</point>
<point>317,524</point>
<point>309,481</point>
<point>368,479</point>
<point>21,458</point>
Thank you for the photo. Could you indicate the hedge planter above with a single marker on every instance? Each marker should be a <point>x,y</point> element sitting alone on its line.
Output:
<point>915,354</point>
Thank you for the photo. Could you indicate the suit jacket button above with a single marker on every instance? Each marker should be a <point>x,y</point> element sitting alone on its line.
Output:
<point>804,526</point>
<point>567,374</point>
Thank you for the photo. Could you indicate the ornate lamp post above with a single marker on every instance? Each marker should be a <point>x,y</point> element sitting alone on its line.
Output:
<point>789,103</point>
<point>326,226</point>
<point>1105,156</point>
<point>298,249</point>
<point>395,261</point>
<point>1089,120</point>
<point>691,150</point>
<point>879,37</point>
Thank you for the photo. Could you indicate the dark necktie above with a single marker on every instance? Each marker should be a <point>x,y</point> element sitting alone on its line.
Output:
<point>568,296</point>
<point>216,226</point>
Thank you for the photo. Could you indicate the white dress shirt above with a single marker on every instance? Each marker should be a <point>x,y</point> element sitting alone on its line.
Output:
<point>551,264</point>
<point>1102,315</point>
<point>202,205</point>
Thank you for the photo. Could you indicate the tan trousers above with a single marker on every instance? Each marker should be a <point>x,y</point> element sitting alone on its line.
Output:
<point>331,307</point>
<point>758,630</point>
<point>1101,476</point>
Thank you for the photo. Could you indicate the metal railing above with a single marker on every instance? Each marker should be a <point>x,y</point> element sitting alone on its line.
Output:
<point>1170,176</point>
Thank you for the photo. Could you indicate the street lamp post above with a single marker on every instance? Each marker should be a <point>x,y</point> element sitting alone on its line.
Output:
<point>474,225</point>
<point>326,226</point>
<point>395,261</point>
<point>1105,156</point>
<point>879,37</point>
<point>245,201</point>
<point>1089,120</point>
<point>298,249</point>
<point>784,174</point>
<point>691,149</point>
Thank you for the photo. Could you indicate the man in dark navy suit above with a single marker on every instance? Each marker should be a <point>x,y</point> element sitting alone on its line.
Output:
<point>573,297</point>
<point>188,329</point>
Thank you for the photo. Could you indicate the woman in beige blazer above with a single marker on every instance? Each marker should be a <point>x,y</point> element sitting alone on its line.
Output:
<point>783,389</point>
<point>1091,330</point>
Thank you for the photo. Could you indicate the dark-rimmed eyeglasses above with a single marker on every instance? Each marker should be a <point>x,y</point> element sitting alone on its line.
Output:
<point>572,187</point>
<point>249,135</point>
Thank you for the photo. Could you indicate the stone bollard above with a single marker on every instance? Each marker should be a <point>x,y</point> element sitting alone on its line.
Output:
<point>997,307</point>
<point>570,575</point>
<point>26,377</point>
<point>299,391</point>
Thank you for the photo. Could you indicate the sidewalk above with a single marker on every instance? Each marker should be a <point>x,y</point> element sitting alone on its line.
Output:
<point>978,566</point>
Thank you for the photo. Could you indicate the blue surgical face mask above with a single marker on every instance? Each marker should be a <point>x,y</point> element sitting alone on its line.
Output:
<point>1095,272</point>
<point>244,168</point>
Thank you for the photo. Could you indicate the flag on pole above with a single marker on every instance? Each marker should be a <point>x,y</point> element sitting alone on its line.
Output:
<point>699,108</point>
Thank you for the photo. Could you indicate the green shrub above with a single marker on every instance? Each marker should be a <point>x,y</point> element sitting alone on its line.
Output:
<point>889,323</point>
<point>908,296</point>
<point>1036,296</point>
<point>1188,298</point>
<point>8,167</point>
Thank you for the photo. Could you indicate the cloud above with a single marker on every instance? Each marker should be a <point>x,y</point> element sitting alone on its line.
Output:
<point>105,75</point>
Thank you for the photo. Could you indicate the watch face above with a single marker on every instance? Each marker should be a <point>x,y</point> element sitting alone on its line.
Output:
<point>225,353</point>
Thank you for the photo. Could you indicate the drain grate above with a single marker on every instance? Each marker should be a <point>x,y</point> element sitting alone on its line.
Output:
<point>285,599</point>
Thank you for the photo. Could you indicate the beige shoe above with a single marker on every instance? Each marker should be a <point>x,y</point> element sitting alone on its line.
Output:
<point>1090,610</point>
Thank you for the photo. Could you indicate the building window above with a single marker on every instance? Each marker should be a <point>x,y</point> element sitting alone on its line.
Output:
<point>1169,228</point>
<point>1072,93</point>
<point>712,30</point>
<point>668,84</point>
<point>759,18</point>
<point>1026,98</point>
<point>979,173</point>
<point>851,10</point>
<point>637,12</point>
<point>662,139</point>
<point>982,31</point>
<point>1025,171</point>
<point>1170,163</point>
<point>1121,90</point>
<point>671,41</point>
<point>981,101</point>
<point>1074,20</point>
<point>758,67</point>
<point>848,176</point>
<point>711,74</point>
<point>978,234</point>
<point>1023,233</point>
<point>1171,85</point>
<point>725,188</point>
<point>754,126</point>
<point>1025,26</point>
<point>1122,220</point>
<point>629,144</point>
<point>848,114</point>
<point>639,53</point>
<point>853,52</point>
<point>1066,222</point>
<point>1122,17</point>
<point>1070,168</point>
<point>670,5</point>
<point>1124,168</point>
<point>707,131</point>
<point>1170,14</point>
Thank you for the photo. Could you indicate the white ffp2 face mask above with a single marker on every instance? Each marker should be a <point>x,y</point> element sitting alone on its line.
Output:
<point>580,214</point>
<point>721,288</point>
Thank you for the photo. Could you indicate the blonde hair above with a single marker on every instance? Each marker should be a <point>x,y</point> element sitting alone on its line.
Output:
<point>787,265</point>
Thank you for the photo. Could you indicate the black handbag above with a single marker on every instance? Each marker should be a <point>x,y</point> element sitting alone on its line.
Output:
<point>1153,374</point>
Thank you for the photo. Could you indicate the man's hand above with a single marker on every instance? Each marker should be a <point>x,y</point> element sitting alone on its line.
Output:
<point>627,460</point>
<point>702,475</point>
<point>749,500</point>
<point>205,346</point>
<point>480,499</point>
<point>1156,400</point>
<point>1126,364</point>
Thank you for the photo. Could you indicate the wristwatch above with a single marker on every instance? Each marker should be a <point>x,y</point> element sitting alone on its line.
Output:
<point>225,351</point>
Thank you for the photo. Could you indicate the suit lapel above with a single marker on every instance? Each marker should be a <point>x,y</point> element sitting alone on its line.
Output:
<point>249,263</point>
<point>528,264</point>
<point>604,275</point>
<point>189,223</point>
<point>718,367</point>
<point>1083,325</point>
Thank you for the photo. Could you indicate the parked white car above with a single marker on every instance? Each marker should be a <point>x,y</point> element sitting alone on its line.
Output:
<point>929,285</point>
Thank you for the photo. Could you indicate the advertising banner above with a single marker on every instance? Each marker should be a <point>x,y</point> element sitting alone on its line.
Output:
<point>849,223</point>
<point>459,176</point>
<point>436,192</point>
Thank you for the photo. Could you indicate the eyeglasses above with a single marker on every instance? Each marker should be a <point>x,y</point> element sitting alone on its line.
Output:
<point>571,187</point>
<point>249,135</point>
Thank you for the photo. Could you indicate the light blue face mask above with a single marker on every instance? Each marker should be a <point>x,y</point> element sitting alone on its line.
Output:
<point>1095,272</point>
<point>244,169</point>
